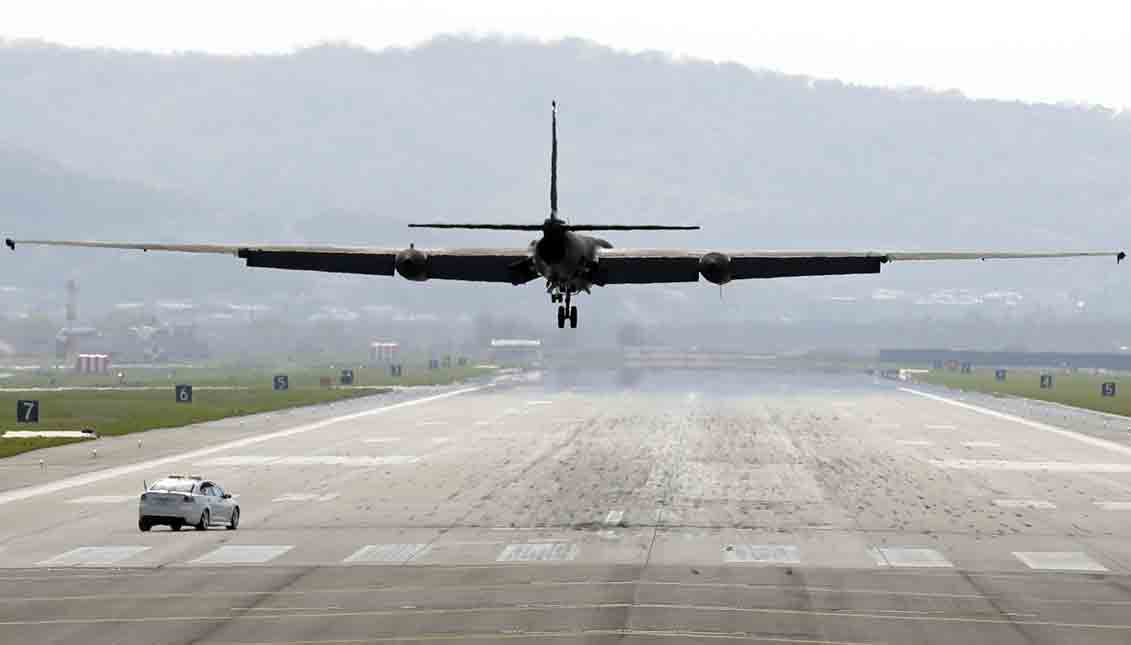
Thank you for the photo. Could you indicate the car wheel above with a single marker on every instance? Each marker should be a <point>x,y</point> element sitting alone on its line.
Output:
<point>205,520</point>
<point>143,525</point>
<point>175,526</point>
<point>234,523</point>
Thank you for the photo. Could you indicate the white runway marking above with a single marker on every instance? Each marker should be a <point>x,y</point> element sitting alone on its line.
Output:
<point>981,444</point>
<point>482,423</point>
<point>908,557</point>
<point>324,460</point>
<point>914,442</point>
<point>555,551</point>
<point>1114,506</point>
<point>306,497</point>
<point>439,440</point>
<point>93,556</point>
<point>432,423</point>
<point>1058,561</point>
<point>103,499</point>
<point>1029,466</point>
<point>539,402</point>
<point>762,553</point>
<point>100,475</point>
<point>387,553</point>
<point>381,440</point>
<point>614,517</point>
<point>1024,503</point>
<point>1092,441</point>
<point>941,427</point>
<point>242,554</point>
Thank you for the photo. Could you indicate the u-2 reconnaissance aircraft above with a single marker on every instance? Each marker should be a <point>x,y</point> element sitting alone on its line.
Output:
<point>569,261</point>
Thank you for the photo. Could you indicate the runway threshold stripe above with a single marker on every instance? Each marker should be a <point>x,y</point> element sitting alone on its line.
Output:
<point>100,475</point>
<point>1036,425</point>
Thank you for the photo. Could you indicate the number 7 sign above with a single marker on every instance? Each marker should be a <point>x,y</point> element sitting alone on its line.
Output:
<point>27,411</point>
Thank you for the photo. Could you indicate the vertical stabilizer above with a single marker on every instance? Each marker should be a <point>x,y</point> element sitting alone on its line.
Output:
<point>554,160</point>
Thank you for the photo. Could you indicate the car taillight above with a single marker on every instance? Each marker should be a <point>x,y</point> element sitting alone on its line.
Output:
<point>187,498</point>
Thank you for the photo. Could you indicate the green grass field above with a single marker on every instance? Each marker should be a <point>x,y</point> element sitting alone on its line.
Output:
<point>124,411</point>
<point>1079,389</point>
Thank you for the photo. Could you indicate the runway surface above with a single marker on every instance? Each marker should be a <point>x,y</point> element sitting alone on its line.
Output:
<point>768,507</point>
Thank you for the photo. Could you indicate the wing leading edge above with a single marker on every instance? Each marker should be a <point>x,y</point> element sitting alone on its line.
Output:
<point>642,266</point>
<point>615,266</point>
<point>472,265</point>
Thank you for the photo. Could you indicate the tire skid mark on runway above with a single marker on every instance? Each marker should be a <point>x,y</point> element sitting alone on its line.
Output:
<point>522,609</point>
<point>119,471</point>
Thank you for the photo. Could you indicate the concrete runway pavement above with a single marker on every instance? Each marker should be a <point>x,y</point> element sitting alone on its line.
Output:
<point>767,507</point>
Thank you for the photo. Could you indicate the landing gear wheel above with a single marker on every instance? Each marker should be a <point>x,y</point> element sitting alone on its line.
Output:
<point>555,297</point>
<point>176,526</point>
<point>205,520</point>
<point>561,317</point>
<point>143,525</point>
<point>235,521</point>
<point>573,317</point>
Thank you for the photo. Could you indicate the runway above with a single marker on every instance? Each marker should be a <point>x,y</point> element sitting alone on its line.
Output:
<point>766,507</point>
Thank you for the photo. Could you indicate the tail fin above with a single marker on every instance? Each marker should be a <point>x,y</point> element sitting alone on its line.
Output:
<point>554,160</point>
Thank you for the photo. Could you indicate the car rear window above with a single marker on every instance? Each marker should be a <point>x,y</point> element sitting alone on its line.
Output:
<point>173,485</point>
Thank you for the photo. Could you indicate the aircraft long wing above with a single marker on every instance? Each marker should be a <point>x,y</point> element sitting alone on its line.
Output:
<point>473,265</point>
<point>644,266</point>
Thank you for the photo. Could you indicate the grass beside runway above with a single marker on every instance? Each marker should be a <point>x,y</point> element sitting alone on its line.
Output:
<point>1075,389</point>
<point>129,410</point>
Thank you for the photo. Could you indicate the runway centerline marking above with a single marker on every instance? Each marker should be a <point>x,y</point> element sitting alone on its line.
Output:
<point>1114,506</point>
<point>85,479</point>
<point>306,497</point>
<point>940,427</point>
<point>103,499</point>
<point>762,553</point>
<point>1058,561</point>
<point>386,553</point>
<point>316,460</point>
<point>1025,503</point>
<point>895,556</point>
<point>981,444</point>
<point>93,556</point>
<point>243,554</point>
<point>1028,466</point>
<point>538,552</point>
<point>914,442</point>
<point>614,517</point>
<point>1036,425</point>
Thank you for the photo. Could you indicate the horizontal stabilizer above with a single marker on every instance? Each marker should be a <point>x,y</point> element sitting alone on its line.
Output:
<point>488,227</point>
<point>629,227</point>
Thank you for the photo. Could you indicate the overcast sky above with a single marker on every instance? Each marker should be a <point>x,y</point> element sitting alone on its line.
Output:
<point>1030,50</point>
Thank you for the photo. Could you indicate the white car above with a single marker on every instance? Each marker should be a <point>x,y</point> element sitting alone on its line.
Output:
<point>178,500</point>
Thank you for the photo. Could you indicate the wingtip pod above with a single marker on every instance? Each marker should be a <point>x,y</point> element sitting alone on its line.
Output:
<point>1119,257</point>
<point>10,243</point>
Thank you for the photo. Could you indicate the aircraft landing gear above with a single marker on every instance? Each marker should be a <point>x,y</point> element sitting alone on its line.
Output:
<point>567,311</point>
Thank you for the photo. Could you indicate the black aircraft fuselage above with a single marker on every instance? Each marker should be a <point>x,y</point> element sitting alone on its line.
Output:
<point>564,258</point>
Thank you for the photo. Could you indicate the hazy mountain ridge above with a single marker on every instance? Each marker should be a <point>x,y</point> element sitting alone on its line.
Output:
<point>336,143</point>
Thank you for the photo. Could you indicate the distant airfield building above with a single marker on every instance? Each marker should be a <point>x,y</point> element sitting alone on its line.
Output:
<point>384,352</point>
<point>516,350</point>
<point>92,364</point>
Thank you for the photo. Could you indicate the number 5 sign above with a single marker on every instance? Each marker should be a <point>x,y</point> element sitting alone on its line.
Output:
<point>27,411</point>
